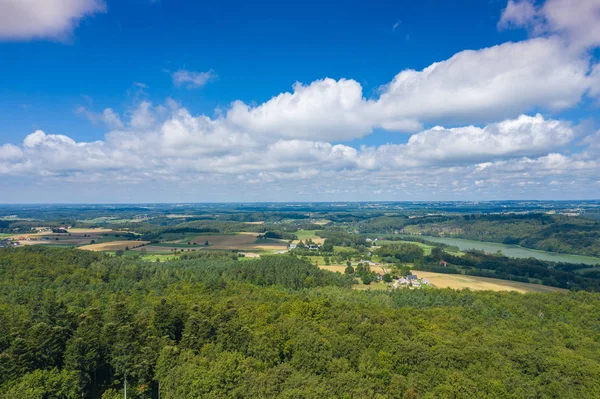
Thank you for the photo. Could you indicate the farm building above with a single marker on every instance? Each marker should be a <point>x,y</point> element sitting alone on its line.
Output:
<point>400,282</point>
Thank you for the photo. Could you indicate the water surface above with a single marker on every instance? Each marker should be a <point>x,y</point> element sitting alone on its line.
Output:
<point>513,251</point>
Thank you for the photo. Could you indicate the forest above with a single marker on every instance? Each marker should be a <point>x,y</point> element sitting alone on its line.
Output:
<point>81,324</point>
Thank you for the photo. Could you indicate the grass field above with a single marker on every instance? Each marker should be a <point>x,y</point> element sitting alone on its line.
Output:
<point>588,269</point>
<point>337,249</point>
<point>378,286</point>
<point>459,281</point>
<point>113,245</point>
<point>305,234</point>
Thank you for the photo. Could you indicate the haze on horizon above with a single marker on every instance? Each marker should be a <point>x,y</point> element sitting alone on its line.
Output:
<point>149,101</point>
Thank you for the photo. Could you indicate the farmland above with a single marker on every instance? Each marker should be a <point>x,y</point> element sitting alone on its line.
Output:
<point>308,234</point>
<point>455,281</point>
<point>243,241</point>
<point>460,281</point>
<point>113,245</point>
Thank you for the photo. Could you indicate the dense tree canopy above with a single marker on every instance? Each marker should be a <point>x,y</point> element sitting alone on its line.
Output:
<point>74,323</point>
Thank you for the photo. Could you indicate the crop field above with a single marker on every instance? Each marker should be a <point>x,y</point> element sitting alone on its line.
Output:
<point>459,281</point>
<point>110,219</point>
<point>75,237</point>
<point>113,245</point>
<point>244,241</point>
<point>241,241</point>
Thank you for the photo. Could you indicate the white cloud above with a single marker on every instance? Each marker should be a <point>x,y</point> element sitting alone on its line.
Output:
<point>292,137</point>
<point>175,147</point>
<point>112,119</point>
<point>325,109</point>
<point>487,84</point>
<point>518,14</point>
<point>143,116</point>
<point>578,21</point>
<point>524,136</point>
<point>53,19</point>
<point>472,86</point>
<point>192,80</point>
<point>10,152</point>
<point>109,117</point>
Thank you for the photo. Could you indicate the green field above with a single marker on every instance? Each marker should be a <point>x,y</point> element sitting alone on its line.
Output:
<point>376,286</point>
<point>588,269</point>
<point>345,249</point>
<point>304,234</point>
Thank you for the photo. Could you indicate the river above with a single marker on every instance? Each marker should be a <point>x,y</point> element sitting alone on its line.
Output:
<point>513,251</point>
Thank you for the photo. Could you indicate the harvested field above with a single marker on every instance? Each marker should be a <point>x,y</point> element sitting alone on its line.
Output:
<point>459,281</point>
<point>334,268</point>
<point>32,236</point>
<point>342,268</point>
<point>89,231</point>
<point>250,255</point>
<point>322,222</point>
<point>113,245</point>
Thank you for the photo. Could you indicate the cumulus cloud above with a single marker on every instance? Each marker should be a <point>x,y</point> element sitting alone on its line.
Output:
<point>578,21</point>
<point>299,135</point>
<point>191,79</point>
<point>172,145</point>
<point>492,83</point>
<point>524,136</point>
<point>473,85</point>
<point>10,152</point>
<point>53,19</point>
<point>326,109</point>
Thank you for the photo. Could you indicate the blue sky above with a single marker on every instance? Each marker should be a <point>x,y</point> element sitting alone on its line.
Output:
<point>357,134</point>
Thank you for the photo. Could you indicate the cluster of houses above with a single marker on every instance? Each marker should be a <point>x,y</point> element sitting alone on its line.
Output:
<point>8,243</point>
<point>313,247</point>
<point>410,281</point>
